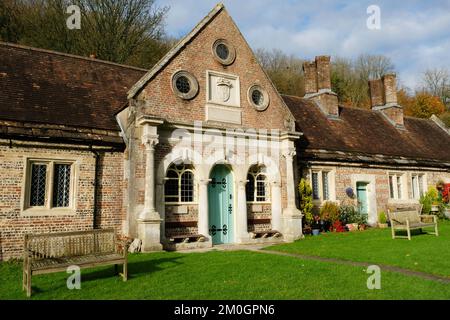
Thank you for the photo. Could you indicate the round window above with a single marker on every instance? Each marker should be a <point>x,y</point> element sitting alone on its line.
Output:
<point>224,52</point>
<point>258,97</point>
<point>184,85</point>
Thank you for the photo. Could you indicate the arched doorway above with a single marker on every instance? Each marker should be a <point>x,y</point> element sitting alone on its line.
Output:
<point>221,205</point>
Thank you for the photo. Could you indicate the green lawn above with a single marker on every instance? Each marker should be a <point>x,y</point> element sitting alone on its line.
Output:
<point>230,275</point>
<point>426,253</point>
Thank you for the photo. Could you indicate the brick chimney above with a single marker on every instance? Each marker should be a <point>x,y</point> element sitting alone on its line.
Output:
<point>318,85</point>
<point>383,98</point>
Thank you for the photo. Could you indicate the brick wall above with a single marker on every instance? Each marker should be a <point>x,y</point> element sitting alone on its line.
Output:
<point>14,223</point>
<point>196,58</point>
<point>343,180</point>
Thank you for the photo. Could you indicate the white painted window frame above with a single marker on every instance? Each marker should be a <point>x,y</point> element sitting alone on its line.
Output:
<point>331,184</point>
<point>255,191</point>
<point>403,186</point>
<point>194,191</point>
<point>417,196</point>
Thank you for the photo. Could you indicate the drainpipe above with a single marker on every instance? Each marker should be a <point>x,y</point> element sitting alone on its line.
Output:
<point>97,157</point>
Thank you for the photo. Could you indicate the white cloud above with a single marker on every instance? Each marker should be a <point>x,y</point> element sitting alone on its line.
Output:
<point>414,34</point>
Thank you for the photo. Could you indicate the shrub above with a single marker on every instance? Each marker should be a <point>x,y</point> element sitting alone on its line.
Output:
<point>348,214</point>
<point>382,217</point>
<point>329,212</point>
<point>338,227</point>
<point>362,219</point>
<point>306,204</point>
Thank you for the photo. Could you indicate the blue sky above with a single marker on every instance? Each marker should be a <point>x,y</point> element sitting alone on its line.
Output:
<point>414,34</point>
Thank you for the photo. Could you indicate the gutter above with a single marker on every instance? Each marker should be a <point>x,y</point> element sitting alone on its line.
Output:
<point>95,209</point>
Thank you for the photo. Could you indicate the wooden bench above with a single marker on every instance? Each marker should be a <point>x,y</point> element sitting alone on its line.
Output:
<point>55,252</point>
<point>411,219</point>
<point>187,238</point>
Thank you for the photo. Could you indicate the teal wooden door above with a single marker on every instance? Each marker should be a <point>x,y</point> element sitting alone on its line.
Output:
<point>361,194</point>
<point>220,205</point>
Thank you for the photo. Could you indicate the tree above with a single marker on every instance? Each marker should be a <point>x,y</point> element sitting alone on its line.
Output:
<point>422,105</point>
<point>370,67</point>
<point>437,82</point>
<point>121,31</point>
<point>286,72</point>
<point>306,203</point>
<point>346,82</point>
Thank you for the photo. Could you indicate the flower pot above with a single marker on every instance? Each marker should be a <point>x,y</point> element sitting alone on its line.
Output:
<point>447,213</point>
<point>352,226</point>
<point>382,225</point>
<point>315,232</point>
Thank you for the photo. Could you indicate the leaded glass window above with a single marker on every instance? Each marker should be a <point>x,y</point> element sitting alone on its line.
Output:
<point>257,188</point>
<point>179,185</point>
<point>325,185</point>
<point>183,84</point>
<point>315,185</point>
<point>61,185</point>
<point>49,185</point>
<point>38,184</point>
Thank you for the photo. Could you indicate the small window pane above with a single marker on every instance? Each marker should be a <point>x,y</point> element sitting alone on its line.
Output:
<point>258,97</point>
<point>399,188</point>
<point>391,187</point>
<point>37,186</point>
<point>171,190</point>
<point>183,84</point>
<point>421,186</point>
<point>415,187</point>
<point>261,188</point>
<point>326,193</point>
<point>250,188</point>
<point>61,185</point>
<point>187,187</point>
<point>315,185</point>
<point>222,51</point>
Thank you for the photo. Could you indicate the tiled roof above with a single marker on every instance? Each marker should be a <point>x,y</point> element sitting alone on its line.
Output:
<point>41,86</point>
<point>360,132</point>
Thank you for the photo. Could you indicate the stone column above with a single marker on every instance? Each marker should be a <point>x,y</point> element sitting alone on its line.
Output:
<point>149,221</point>
<point>276,206</point>
<point>290,181</point>
<point>241,212</point>
<point>292,228</point>
<point>203,219</point>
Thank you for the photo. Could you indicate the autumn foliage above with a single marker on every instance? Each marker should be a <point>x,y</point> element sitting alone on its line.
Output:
<point>421,105</point>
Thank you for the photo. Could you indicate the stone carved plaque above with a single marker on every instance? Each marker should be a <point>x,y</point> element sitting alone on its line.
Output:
<point>223,89</point>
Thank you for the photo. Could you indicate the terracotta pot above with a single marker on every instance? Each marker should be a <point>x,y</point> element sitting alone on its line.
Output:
<point>382,225</point>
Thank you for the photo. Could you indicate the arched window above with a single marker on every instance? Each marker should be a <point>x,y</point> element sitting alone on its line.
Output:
<point>179,185</point>
<point>257,188</point>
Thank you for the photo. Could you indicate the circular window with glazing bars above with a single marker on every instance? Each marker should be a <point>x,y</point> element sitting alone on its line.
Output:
<point>258,97</point>
<point>224,52</point>
<point>184,85</point>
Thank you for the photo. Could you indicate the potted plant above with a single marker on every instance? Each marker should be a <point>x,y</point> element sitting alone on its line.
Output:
<point>362,221</point>
<point>382,220</point>
<point>306,204</point>
<point>348,217</point>
<point>316,226</point>
<point>329,214</point>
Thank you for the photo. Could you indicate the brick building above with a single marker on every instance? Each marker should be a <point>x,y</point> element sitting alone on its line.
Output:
<point>202,144</point>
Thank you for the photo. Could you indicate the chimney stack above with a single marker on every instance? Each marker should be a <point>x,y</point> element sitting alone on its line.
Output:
<point>317,75</point>
<point>383,98</point>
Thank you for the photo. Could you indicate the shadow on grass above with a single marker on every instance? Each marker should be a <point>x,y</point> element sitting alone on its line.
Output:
<point>136,269</point>
<point>414,233</point>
